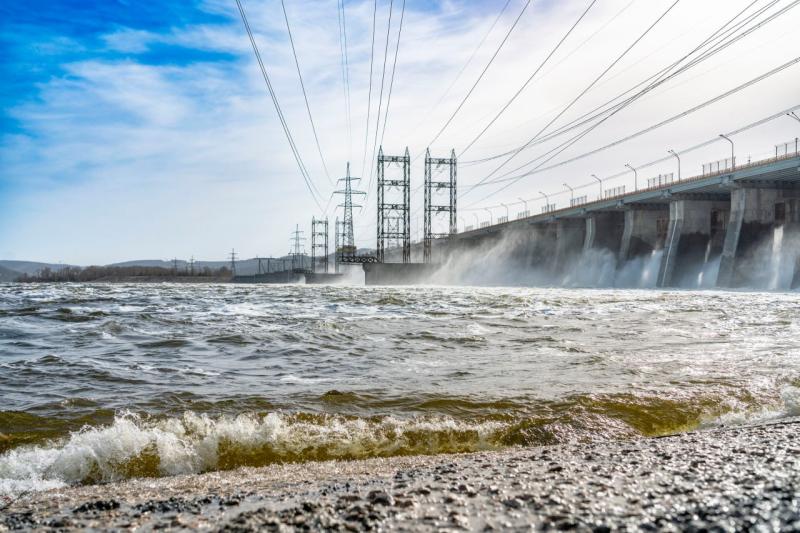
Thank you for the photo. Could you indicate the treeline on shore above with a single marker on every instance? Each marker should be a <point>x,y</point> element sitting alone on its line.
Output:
<point>121,273</point>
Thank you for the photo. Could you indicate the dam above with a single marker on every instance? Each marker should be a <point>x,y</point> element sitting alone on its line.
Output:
<point>744,220</point>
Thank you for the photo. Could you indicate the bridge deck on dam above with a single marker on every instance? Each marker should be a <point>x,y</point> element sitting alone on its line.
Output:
<point>782,170</point>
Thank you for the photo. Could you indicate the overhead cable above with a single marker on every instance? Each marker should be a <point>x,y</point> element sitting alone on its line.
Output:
<point>303,171</point>
<point>305,96</point>
<point>483,72</point>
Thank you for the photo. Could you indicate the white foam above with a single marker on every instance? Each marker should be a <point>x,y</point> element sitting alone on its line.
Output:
<point>788,406</point>
<point>191,444</point>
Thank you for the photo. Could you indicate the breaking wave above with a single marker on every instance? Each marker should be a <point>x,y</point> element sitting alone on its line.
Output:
<point>134,445</point>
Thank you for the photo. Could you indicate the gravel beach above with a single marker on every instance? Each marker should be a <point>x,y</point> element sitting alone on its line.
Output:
<point>732,479</point>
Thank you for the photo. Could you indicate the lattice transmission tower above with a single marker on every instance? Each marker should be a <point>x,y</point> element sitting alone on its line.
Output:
<point>346,244</point>
<point>394,205</point>
<point>297,251</point>
<point>233,261</point>
<point>319,241</point>
<point>336,235</point>
<point>437,164</point>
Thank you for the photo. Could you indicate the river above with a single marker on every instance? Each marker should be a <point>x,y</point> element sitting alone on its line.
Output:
<point>110,381</point>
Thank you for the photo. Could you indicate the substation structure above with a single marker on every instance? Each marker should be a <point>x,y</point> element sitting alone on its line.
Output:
<point>319,245</point>
<point>394,205</point>
<point>394,248</point>
<point>736,214</point>
<point>430,209</point>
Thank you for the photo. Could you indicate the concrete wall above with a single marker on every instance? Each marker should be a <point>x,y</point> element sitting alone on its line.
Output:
<point>570,234</point>
<point>641,235</point>
<point>604,231</point>
<point>690,239</point>
<point>751,228</point>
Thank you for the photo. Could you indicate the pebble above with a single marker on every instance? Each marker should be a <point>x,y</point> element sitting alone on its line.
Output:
<point>707,480</point>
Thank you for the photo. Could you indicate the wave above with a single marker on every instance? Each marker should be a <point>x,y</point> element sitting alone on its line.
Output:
<point>134,445</point>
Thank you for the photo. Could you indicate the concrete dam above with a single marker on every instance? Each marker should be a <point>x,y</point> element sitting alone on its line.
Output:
<point>736,227</point>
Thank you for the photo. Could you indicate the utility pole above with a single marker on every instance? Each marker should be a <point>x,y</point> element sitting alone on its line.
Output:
<point>600,182</point>
<point>319,241</point>
<point>175,266</point>
<point>346,246</point>
<point>733,152</point>
<point>233,262</point>
<point>635,177</point>
<point>430,209</point>
<point>191,266</point>
<point>571,195</point>
<point>674,154</point>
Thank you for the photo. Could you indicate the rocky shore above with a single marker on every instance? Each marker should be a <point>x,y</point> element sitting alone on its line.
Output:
<point>726,479</point>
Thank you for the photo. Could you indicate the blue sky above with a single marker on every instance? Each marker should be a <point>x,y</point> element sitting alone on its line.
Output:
<point>143,130</point>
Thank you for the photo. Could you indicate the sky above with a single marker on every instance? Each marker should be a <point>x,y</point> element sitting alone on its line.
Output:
<point>144,130</point>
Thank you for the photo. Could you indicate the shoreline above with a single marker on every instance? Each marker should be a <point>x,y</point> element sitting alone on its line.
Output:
<point>735,477</point>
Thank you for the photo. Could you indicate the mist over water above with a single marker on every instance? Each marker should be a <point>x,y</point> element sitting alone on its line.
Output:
<point>768,265</point>
<point>105,382</point>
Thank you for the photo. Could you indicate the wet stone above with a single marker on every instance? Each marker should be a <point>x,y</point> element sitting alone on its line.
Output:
<point>378,497</point>
<point>512,503</point>
<point>98,505</point>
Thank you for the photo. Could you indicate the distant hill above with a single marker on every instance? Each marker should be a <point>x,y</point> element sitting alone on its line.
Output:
<point>10,270</point>
<point>243,267</point>
<point>6,274</point>
<point>29,267</point>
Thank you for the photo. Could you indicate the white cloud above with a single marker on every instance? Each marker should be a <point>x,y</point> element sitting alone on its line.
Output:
<point>127,160</point>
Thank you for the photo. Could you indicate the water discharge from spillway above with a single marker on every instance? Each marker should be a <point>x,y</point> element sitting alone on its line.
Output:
<point>776,259</point>
<point>768,265</point>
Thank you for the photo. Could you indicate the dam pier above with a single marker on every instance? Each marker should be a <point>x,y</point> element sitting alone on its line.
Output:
<point>739,225</point>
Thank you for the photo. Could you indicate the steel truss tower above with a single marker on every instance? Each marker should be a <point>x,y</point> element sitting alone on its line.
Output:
<point>233,261</point>
<point>434,164</point>
<point>394,213</point>
<point>319,241</point>
<point>296,252</point>
<point>336,233</point>
<point>346,244</point>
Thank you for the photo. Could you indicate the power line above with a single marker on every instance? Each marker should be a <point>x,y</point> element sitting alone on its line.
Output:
<point>644,131</point>
<point>463,68</point>
<point>477,81</point>
<point>369,94</point>
<point>589,38</point>
<point>524,85</point>
<point>573,51</point>
<point>303,171</point>
<point>585,90</point>
<point>394,67</point>
<point>718,46</point>
<point>345,70</point>
<point>703,144</point>
<point>380,97</point>
<point>581,120</point>
<point>305,96</point>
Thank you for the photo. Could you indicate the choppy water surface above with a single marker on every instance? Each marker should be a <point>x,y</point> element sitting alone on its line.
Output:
<point>103,382</point>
